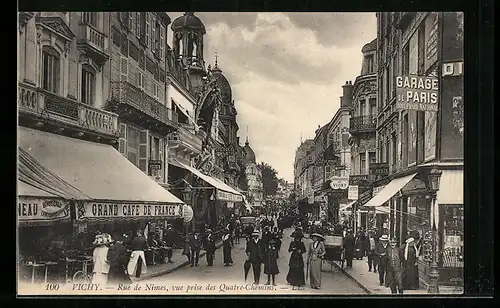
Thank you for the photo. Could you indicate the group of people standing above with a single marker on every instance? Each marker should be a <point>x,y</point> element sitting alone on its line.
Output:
<point>396,266</point>
<point>263,250</point>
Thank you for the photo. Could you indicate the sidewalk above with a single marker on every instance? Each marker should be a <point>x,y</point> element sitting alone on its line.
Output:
<point>179,259</point>
<point>369,281</point>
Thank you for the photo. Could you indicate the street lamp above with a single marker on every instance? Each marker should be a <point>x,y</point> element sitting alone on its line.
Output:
<point>434,177</point>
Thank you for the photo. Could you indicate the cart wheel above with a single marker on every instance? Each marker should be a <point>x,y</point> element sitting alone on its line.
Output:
<point>81,277</point>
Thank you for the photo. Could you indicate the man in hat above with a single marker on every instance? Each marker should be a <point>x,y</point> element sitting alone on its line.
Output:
<point>169,238</point>
<point>255,255</point>
<point>394,259</point>
<point>349,248</point>
<point>381,252</point>
<point>194,247</point>
<point>370,246</point>
<point>210,247</point>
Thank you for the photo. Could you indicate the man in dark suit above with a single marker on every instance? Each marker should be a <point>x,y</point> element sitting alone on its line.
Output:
<point>210,248</point>
<point>395,259</point>
<point>169,238</point>
<point>349,248</point>
<point>254,255</point>
<point>381,252</point>
<point>194,247</point>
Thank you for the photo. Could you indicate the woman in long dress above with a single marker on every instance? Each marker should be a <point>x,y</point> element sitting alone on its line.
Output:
<point>271,261</point>
<point>226,248</point>
<point>410,278</point>
<point>295,275</point>
<point>315,260</point>
<point>99,257</point>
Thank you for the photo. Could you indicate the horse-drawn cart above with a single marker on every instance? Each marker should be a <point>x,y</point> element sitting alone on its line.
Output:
<point>334,250</point>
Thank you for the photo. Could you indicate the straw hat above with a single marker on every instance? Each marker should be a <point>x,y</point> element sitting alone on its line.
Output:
<point>384,237</point>
<point>318,236</point>
<point>99,240</point>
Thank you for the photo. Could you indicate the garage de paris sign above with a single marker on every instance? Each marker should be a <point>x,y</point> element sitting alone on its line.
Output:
<point>419,93</point>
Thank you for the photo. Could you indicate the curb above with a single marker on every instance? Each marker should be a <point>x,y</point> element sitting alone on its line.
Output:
<point>359,284</point>
<point>175,268</point>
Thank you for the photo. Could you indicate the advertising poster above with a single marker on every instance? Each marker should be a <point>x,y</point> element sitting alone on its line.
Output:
<point>452,126</point>
<point>430,134</point>
<point>431,39</point>
<point>412,137</point>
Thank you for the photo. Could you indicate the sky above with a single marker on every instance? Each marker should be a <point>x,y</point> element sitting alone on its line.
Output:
<point>286,72</point>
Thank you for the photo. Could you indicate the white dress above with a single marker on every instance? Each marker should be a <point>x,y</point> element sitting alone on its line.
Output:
<point>101,265</point>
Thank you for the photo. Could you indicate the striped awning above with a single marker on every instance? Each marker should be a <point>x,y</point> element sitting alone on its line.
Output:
<point>451,190</point>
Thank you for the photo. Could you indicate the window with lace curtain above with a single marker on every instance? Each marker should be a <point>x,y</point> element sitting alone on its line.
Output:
<point>88,85</point>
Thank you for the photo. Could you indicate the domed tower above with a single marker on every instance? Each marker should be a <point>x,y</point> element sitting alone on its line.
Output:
<point>369,65</point>
<point>249,154</point>
<point>227,110</point>
<point>187,45</point>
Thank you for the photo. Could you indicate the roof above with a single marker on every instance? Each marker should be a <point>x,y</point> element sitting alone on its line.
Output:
<point>223,83</point>
<point>188,22</point>
<point>372,46</point>
<point>249,153</point>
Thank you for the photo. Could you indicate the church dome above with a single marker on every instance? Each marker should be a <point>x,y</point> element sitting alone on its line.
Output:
<point>224,86</point>
<point>188,22</point>
<point>249,154</point>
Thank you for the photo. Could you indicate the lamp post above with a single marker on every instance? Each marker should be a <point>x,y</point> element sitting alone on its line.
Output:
<point>187,192</point>
<point>434,177</point>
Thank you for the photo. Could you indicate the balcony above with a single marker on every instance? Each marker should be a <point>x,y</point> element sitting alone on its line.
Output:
<point>49,108</point>
<point>362,124</point>
<point>188,140</point>
<point>133,103</point>
<point>93,43</point>
<point>361,178</point>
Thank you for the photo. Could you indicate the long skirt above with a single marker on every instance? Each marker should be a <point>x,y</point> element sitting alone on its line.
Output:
<point>296,276</point>
<point>226,252</point>
<point>411,281</point>
<point>133,264</point>
<point>100,278</point>
<point>315,273</point>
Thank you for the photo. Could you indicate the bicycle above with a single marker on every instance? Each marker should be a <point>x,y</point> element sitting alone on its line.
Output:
<point>83,276</point>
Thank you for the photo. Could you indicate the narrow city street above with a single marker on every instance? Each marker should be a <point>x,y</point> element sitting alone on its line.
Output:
<point>224,279</point>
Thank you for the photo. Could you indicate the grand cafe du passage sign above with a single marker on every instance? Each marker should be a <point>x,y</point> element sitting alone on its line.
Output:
<point>103,211</point>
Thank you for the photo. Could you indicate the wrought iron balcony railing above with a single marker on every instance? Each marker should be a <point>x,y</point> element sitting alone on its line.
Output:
<point>361,124</point>
<point>38,102</point>
<point>127,93</point>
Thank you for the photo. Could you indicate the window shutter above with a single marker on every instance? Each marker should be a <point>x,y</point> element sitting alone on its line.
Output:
<point>122,142</point>
<point>162,42</point>
<point>137,24</point>
<point>131,22</point>
<point>123,69</point>
<point>143,150</point>
<point>162,158</point>
<point>148,27</point>
<point>153,33</point>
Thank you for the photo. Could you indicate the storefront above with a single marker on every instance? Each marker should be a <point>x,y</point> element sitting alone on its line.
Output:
<point>98,190</point>
<point>214,202</point>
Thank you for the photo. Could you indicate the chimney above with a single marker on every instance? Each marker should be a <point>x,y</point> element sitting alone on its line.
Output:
<point>346,100</point>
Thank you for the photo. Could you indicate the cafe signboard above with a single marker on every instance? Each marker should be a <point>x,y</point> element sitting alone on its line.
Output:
<point>226,196</point>
<point>339,182</point>
<point>419,93</point>
<point>89,211</point>
<point>38,210</point>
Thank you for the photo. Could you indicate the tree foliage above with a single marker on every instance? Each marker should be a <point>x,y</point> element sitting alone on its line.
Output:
<point>269,179</point>
<point>243,181</point>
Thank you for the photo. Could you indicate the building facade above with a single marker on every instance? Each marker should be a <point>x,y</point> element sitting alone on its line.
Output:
<point>415,142</point>
<point>303,176</point>
<point>255,191</point>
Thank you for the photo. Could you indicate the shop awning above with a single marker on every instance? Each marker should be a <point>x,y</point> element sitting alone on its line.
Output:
<point>26,190</point>
<point>118,189</point>
<point>184,111</point>
<point>224,191</point>
<point>389,190</point>
<point>346,206</point>
<point>451,190</point>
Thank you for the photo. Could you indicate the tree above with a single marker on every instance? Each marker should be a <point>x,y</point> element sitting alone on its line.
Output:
<point>269,179</point>
<point>243,181</point>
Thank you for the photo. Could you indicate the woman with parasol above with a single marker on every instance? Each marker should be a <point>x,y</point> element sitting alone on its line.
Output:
<point>315,260</point>
<point>295,275</point>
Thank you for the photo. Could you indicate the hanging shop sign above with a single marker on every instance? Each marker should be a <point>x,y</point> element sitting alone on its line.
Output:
<point>365,195</point>
<point>105,210</point>
<point>32,210</point>
<point>417,93</point>
<point>339,182</point>
<point>379,169</point>
<point>352,192</point>
<point>187,213</point>
<point>225,196</point>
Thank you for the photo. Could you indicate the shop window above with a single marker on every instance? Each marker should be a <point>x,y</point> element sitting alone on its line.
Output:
<point>88,85</point>
<point>452,239</point>
<point>51,66</point>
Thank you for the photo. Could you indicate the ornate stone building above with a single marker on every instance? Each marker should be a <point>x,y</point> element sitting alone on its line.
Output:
<point>255,191</point>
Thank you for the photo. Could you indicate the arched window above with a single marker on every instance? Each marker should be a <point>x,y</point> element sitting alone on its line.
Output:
<point>88,85</point>
<point>50,69</point>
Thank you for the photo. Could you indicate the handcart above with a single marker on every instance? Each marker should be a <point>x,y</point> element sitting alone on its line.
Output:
<point>334,250</point>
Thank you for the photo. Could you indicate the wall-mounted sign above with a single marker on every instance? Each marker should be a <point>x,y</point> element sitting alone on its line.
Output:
<point>33,210</point>
<point>155,164</point>
<point>225,196</point>
<point>453,69</point>
<point>379,169</point>
<point>352,192</point>
<point>417,93</point>
<point>105,211</point>
<point>62,108</point>
<point>339,182</point>
<point>431,39</point>
<point>365,195</point>
<point>187,213</point>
